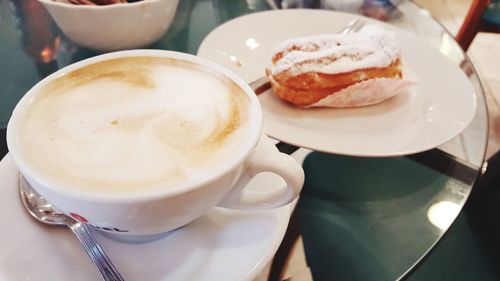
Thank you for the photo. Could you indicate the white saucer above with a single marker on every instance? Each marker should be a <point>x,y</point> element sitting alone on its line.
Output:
<point>222,245</point>
<point>441,106</point>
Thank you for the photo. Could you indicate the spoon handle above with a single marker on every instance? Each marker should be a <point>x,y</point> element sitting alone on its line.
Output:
<point>95,252</point>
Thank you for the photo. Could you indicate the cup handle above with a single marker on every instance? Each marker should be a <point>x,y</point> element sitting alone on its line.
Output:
<point>266,161</point>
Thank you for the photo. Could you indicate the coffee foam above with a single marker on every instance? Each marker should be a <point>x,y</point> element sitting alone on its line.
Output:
<point>134,123</point>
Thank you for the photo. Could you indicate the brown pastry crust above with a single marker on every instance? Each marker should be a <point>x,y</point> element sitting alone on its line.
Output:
<point>308,88</point>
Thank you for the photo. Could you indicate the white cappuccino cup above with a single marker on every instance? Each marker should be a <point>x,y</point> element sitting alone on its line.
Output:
<point>142,142</point>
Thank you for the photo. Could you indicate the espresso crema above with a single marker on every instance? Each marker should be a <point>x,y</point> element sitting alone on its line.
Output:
<point>134,123</point>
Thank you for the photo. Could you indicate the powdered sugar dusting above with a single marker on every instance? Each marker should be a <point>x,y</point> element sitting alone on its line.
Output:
<point>372,46</point>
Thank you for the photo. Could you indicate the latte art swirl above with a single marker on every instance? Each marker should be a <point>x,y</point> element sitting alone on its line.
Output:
<point>134,122</point>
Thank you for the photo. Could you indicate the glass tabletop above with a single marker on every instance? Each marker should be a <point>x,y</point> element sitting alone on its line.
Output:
<point>372,225</point>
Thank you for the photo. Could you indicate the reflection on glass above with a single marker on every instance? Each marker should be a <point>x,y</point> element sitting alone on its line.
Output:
<point>443,213</point>
<point>37,35</point>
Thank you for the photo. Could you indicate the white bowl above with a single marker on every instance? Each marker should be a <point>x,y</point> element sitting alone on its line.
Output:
<point>113,27</point>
